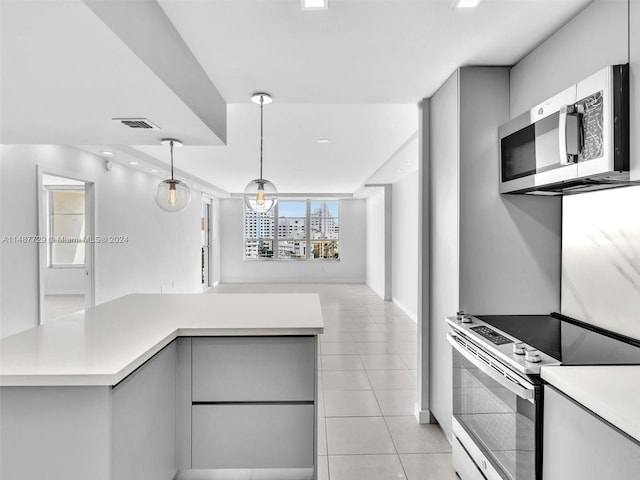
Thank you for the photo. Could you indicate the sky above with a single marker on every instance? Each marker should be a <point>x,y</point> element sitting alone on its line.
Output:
<point>298,208</point>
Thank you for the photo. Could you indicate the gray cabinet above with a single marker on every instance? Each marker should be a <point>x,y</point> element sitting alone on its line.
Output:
<point>93,432</point>
<point>143,421</point>
<point>228,402</point>
<point>253,436</point>
<point>253,369</point>
<point>578,444</point>
<point>251,402</point>
<point>55,433</point>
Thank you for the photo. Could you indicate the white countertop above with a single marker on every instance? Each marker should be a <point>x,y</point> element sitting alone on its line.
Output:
<point>611,392</point>
<point>104,344</point>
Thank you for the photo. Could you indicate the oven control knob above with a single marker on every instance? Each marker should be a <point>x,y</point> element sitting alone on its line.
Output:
<point>519,348</point>
<point>532,356</point>
<point>466,319</point>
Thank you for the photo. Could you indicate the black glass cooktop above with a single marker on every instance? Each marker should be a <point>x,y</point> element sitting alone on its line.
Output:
<point>568,340</point>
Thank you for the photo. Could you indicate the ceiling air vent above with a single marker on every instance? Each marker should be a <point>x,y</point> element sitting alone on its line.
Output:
<point>141,123</point>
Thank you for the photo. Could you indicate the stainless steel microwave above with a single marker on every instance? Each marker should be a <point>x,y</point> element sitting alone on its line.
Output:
<point>578,140</point>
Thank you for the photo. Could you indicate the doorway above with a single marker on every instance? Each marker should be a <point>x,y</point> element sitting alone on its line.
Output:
<point>205,247</point>
<point>66,248</point>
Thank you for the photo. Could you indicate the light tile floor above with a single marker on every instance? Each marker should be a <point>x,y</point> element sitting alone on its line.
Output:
<point>367,389</point>
<point>56,306</point>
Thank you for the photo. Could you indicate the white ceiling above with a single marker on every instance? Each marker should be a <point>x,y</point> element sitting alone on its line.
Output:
<point>65,75</point>
<point>362,137</point>
<point>357,51</point>
<point>353,73</point>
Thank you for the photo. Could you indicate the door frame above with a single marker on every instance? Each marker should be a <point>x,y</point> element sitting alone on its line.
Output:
<point>90,221</point>
<point>205,200</point>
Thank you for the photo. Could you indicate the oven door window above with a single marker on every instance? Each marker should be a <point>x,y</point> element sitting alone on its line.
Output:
<point>500,422</point>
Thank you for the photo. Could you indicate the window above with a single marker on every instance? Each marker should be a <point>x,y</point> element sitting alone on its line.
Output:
<point>258,234</point>
<point>294,230</point>
<point>292,234</point>
<point>324,229</point>
<point>66,224</point>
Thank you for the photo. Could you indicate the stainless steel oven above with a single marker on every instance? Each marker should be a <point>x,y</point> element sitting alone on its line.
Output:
<point>497,391</point>
<point>494,415</point>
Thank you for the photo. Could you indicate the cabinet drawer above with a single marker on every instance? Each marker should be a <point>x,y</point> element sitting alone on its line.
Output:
<point>242,369</point>
<point>253,436</point>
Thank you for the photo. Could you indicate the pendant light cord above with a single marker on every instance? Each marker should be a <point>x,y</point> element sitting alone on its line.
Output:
<point>171,146</point>
<point>261,104</point>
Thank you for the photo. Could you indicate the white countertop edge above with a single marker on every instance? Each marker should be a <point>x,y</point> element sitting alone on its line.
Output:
<point>592,393</point>
<point>248,332</point>
<point>104,380</point>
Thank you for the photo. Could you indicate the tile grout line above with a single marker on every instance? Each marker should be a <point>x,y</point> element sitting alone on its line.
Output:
<point>355,339</point>
<point>397,454</point>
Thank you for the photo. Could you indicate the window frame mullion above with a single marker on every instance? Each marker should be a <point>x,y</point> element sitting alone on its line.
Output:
<point>276,231</point>
<point>307,231</point>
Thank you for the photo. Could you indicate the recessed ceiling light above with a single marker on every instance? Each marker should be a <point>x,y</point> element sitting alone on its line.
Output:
<point>314,4</point>
<point>323,140</point>
<point>133,163</point>
<point>106,152</point>
<point>467,3</point>
<point>153,170</point>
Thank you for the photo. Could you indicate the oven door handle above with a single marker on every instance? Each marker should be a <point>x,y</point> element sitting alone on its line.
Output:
<point>523,390</point>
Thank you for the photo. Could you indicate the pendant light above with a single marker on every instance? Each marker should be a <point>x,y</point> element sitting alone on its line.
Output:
<point>172,195</point>
<point>260,195</point>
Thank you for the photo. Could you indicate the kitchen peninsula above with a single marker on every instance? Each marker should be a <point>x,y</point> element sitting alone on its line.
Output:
<point>146,386</point>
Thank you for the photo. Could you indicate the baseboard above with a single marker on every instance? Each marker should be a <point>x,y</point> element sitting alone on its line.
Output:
<point>406,311</point>
<point>375,290</point>
<point>285,281</point>
<point>424,416</point>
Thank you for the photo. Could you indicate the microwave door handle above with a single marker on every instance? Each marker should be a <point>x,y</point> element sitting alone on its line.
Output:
<point>523,391</point>
<point>569,120</point>
<point>562,131</point>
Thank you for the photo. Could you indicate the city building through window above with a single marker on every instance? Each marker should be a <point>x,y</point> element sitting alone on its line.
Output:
<point>294,229</point>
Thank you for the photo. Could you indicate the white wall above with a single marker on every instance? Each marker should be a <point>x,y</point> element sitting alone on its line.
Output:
<point>375,228</point>
<point>595,38</point>
<point>349,269</point>
<point>509,244</point>
<point>215,241</point>
<point>404,269</point>
<point>64,281</point>
<point>163,250</point>
<point>601,240</point>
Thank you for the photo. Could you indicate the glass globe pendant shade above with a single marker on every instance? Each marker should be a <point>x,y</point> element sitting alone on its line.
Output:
<point>260,195</point>
<point>172,195</point>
